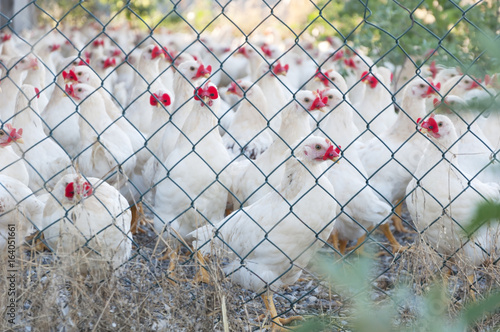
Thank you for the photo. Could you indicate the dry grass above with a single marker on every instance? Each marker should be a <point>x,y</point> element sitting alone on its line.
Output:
<point>52,296</point>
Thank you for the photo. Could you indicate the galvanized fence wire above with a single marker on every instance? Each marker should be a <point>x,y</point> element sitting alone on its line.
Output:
<point>130,59</point>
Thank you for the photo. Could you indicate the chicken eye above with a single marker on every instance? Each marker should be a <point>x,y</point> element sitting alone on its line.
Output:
<point>307,100</point>
<point>150,50</point>
<point>79,90</point>
<point>1,133</point>
<point>422,85</point>
<point>79,73</point>
<point>332,79</point>
<point>330,97</point>
<point>440,124</point>
<point>23,61</point>
<point>192,68</point>
<point>317,147</point>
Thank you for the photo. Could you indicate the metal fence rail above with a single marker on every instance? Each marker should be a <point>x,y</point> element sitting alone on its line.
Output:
<point>176,116</point>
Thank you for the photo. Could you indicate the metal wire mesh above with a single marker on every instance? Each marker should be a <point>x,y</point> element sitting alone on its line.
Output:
<point>115,130</point>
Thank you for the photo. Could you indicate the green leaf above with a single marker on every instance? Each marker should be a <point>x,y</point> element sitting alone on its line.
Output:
<point>485,213</point>
<point>478,310</point>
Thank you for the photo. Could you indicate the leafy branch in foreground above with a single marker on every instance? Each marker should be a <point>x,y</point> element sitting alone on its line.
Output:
<point>426,312</point>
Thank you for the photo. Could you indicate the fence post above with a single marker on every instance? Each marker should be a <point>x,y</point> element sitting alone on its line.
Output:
<point>23,20</point>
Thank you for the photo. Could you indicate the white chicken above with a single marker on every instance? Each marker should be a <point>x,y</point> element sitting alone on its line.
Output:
<point>362,208</point>
<point>139,112</point>
<point>106,151</point>
<point>391,159</point>
<point>256,179</point>
<point>442,200</point>
<point>475,150</point>
<point>270,242</point>
<point>46,161</point>
<point>60,118</point>
<point>378,115</point>
<point>89,216</point>
<point>10,163</point>
<point>17,67</point>
<point>20,210</point>
<point>194,191</point>
<point>248,133</point>
<point>189,75</point>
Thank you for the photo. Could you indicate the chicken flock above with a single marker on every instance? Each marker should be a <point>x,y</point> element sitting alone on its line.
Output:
<point>261,152</point>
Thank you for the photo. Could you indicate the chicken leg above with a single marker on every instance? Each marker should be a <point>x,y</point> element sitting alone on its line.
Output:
<point>277,322</point>
<point>359,243</point>
<point>137,219</point>
<point>396,247</point>
<point>470,279</point>
<point>37,241</point>
<point>202,275</point>
<point>397,221</point>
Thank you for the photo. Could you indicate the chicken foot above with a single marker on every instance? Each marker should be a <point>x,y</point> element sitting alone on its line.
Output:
<point>397,221</point>
<point>37,243</point>
<point>202,275</point>
<point>336,243</point>
<point>277,322</point>
<point>396,247</point>
<point>137,219</point>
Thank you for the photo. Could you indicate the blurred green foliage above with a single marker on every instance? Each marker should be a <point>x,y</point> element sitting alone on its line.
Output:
<point>486,213</point>
<point>458,30</point>
<point>391,31</point>
<point>403,310</point>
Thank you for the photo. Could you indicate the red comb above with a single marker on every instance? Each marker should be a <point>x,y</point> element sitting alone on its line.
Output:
<point>280,70</point>
<point>433,88</point>
<point>233,88</point>
<point>109,62</point>
<point>267,51</point>
<point>69,90</point>
<point>331,153</point>
<point>372,80</point>
<point>157,51</point>
<point>37,92</point>
<point>98,42</point>
<point>87,189</point>
<point>164,99</point>
<point>6,37</point>
<point>433,69</point>
<point>339,55</point>
<point>473,85</point>
<point>70,76</point>
<point>243,51</point>
<point>203,72</point>
<point>318,103</point>
<point>323,77</point>
<point>431,125</point>
<point>55,47</point>
<point>210,92</point>
<point>349,63</point>
<point>84,63</point>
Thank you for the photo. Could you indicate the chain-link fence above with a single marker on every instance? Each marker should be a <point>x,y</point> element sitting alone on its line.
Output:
<point>244,142</point>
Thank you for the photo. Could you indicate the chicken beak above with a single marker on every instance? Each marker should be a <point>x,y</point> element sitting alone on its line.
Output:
<point>20,141</point>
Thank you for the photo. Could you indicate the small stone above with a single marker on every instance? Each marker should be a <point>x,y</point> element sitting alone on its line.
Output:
<point>312,299</point>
